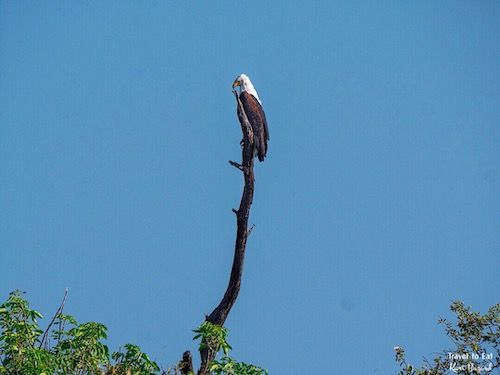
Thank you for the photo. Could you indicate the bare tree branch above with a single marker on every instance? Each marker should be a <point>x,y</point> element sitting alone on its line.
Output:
<point>58,312</point>
<point>186,365</point>
<point>221,312</point>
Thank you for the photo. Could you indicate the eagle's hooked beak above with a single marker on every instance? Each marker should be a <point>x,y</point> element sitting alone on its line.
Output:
<point>236,83</point>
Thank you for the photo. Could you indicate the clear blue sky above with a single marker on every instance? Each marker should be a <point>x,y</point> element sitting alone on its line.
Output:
<point>379,201</point>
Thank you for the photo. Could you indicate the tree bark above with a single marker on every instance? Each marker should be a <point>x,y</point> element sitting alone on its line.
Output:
<point>221,312</point>
<point>186,365</point>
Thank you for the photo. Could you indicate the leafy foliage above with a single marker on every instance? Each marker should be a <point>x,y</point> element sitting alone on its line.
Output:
<point>215,338</point>
<point>228,365</point>
<point>477,341</point>
<point>19,338</point>
<point>133,360</point>
<point>77,348</point>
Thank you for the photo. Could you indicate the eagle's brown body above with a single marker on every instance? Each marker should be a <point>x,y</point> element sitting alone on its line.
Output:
<point>257,119</point>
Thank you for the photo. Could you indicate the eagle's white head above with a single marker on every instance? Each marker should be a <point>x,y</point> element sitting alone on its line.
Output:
<point>245,85</point>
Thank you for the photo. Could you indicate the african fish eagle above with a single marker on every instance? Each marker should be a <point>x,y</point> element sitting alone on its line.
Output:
<point>255,113</point>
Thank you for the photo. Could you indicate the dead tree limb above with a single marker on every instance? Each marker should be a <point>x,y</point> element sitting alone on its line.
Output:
<point>220,313</point>
<point>186,365</point>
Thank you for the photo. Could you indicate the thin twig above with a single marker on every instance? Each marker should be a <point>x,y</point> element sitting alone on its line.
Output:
<point>237,165</point>
<point>250,230</point>
<point>58,313</point>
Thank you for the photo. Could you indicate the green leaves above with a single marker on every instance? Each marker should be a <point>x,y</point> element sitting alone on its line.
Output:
<point>134,360</point>
<point>229,366</point>
<point>69,348</point>
<point>476,339</point>
<point>19,335</point>
<point>212,336</point>
<point>80,347</point>
<point>77,348</point>
<point>215,338</point>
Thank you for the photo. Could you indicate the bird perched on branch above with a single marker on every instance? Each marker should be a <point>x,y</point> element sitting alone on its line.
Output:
<point>256,116</point>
